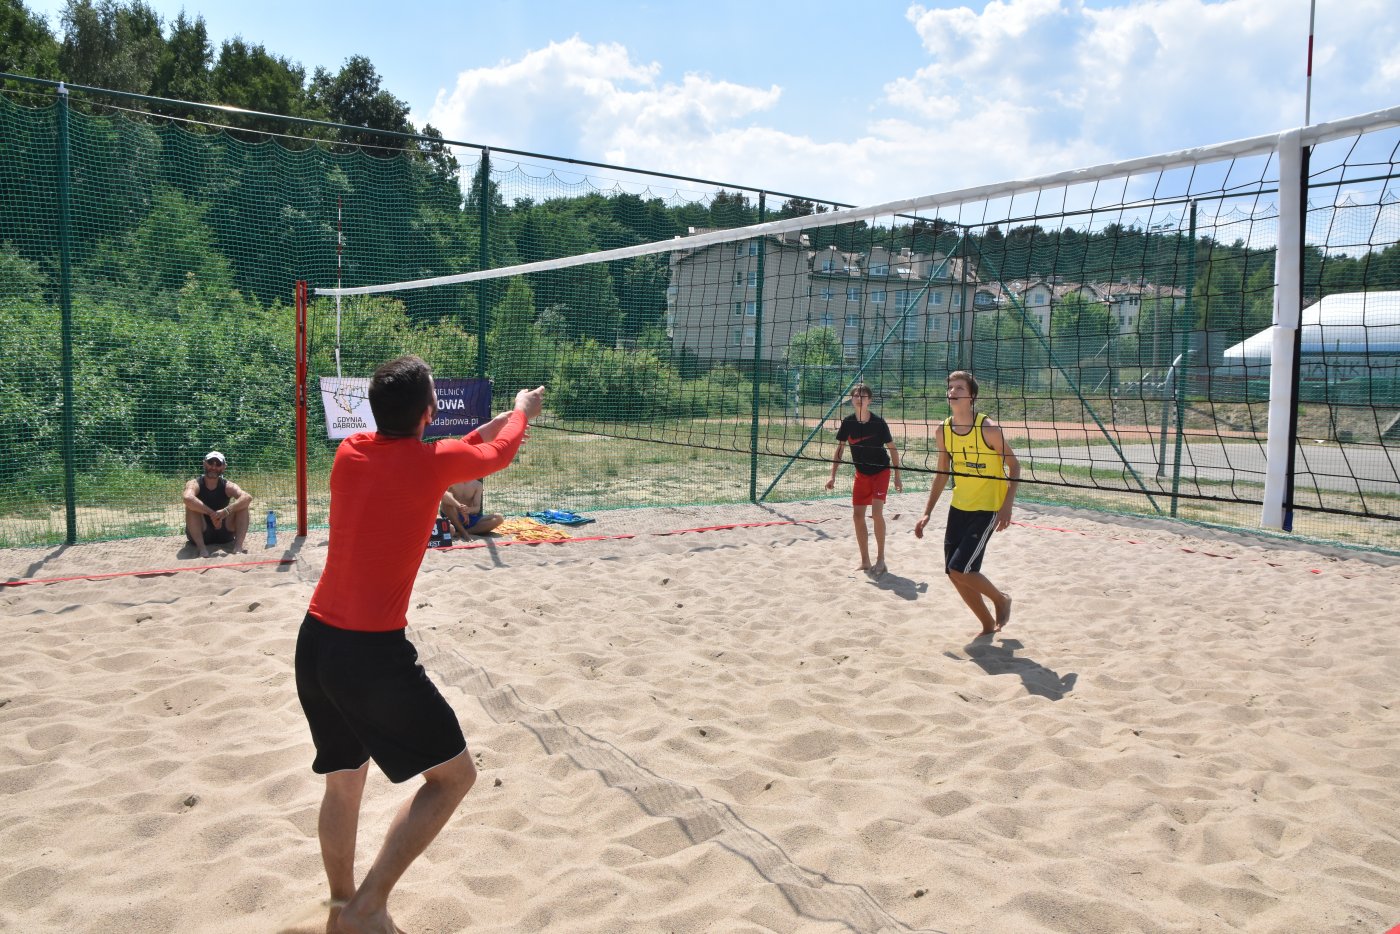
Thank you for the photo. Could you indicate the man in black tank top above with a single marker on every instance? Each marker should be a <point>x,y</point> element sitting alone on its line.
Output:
<point>216,510</point>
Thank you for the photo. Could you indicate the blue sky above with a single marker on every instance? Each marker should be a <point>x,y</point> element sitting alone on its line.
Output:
<point>861,103</point>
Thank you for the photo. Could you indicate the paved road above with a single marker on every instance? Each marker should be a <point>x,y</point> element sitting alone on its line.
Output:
<point>1342,468</point>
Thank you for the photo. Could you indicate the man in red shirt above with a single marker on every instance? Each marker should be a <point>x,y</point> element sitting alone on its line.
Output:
<point>364,694</point>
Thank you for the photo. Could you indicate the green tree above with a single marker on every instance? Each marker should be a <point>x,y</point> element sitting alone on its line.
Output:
<point>355,96</point>
<point>732,209</point>
<point>27,45</point>
<point>1005,349</point>
<point>1080,333</point>
<point>183,72</point>
<point>250,77</point>
<point>108,45</point>
<point>642,296</point>
<point>153,262</point>
<point>519,355</point>
<point>816,356</point>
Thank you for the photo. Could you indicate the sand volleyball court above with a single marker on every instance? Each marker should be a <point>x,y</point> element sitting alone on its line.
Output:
<point>734,731</point>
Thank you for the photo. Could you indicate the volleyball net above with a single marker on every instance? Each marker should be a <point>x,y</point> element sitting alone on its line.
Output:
<point>1119,320</point>
<point>697,340</point>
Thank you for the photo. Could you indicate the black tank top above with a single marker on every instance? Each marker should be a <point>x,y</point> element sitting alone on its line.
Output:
<point>216,498</point>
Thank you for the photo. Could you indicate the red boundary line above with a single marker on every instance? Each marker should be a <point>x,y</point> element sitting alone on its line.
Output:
<point>607,538</point>
<point>564,541</point>
<point>249,564</point>
<point>152,573</point>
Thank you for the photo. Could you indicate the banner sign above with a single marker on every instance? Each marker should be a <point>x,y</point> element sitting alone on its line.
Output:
<point>463,404</point>
<point>346,401</point>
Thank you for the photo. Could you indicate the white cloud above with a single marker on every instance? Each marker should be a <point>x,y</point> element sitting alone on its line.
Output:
<point>1015,89</point>
<point>582,100</point>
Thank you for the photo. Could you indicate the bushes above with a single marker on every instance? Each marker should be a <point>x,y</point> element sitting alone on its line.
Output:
<point>592,382</point>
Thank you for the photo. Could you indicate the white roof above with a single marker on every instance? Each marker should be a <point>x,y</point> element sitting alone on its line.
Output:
<point>1345,323</point>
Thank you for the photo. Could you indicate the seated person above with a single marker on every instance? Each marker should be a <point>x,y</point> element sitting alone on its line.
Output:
<point>216,510</point>
<point>462,505</point>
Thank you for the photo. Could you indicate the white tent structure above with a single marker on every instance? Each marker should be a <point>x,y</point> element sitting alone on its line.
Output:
<point>1350,335</point>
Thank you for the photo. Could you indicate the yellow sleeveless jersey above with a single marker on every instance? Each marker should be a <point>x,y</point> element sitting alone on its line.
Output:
<point>979,482</point>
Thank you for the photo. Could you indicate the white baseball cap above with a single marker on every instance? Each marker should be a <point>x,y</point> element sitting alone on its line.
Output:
<point>215,456</point>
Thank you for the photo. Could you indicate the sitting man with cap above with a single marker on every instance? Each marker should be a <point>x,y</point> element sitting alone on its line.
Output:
<point>216,510</point>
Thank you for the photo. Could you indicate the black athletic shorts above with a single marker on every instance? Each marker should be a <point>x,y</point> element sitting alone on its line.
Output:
<point>213,536</point>
<point>366,697</point>
<point>965,539</point>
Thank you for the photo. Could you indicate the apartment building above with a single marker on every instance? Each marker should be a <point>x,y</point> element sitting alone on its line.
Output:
<point>896,297</point>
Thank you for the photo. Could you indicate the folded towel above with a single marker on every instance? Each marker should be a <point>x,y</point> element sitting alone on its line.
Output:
<point>559,517</point>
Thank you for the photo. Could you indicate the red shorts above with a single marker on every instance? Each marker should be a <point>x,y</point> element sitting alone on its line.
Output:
<point>870,489</point>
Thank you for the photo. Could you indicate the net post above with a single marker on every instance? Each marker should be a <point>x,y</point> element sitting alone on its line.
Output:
<point>301,369</point>
<point>1188,315</point>
<point>757,357</point>
<point>483,209</point>
<point>65,274</point>
<point>1287,313</point>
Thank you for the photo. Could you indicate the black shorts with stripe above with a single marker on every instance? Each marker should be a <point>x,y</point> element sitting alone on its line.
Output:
<point>965,539</point>
<point>365,696</point>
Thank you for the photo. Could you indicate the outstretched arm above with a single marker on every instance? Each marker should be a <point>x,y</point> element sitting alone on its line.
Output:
<point>486,432</point>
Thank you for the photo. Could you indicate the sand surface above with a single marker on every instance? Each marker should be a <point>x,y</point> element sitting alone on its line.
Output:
<point>734,731</point>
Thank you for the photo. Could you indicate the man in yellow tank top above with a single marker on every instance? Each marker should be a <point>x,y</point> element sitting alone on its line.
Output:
<point>973,449</point>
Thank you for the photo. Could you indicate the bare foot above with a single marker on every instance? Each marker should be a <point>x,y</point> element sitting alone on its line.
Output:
<point>379,923</point>
<point>204,552</point>
<point>333,917</point>
<point>1003,615</point>
<point>877,569</point>
<point>862,567</point>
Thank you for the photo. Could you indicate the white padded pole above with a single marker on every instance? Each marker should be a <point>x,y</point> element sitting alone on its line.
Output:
<point>1288,305</point>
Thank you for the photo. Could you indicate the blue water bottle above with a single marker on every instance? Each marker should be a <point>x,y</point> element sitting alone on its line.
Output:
<point>271,528</point>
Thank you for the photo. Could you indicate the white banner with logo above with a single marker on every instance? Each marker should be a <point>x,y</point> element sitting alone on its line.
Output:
<point>346,401</point>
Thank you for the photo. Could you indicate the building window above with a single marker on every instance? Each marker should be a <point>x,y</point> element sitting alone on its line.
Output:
<point>753,279</point>
<point>853,294</point>
<point>852,321</point>
<point>828,320</point>
<point>903,300</point>
<point>1040,298</point>
<point>738,308</point>
<point>911,328</point>
<point>882,269</point>
<point>750,309</point>
<point>741,248</point>
<point>738,277</point>
<point>748,335</point>
<point>936,298</point>
<point>828,265</point>
<point>955,324</point>
<point>957,299</point>
<point>736,336</point>
<point>932,326</point>
<point>878,296</point>
<point>827,294</point>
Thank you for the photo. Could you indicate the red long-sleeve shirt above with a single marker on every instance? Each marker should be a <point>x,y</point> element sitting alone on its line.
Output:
<point>385,494</point>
